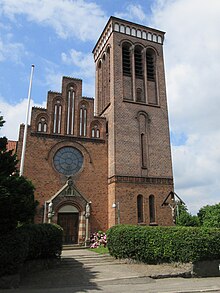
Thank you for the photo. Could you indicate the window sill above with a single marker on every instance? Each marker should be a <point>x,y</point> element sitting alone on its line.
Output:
<point>153,224</point>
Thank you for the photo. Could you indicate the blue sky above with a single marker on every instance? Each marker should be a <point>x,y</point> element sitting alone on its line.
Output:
<point>58,36</point>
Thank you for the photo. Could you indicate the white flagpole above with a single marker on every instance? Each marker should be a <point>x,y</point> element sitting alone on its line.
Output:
<point>26,123</point>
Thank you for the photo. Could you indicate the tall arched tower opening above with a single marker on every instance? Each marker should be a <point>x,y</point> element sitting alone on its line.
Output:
<point>131,95</point>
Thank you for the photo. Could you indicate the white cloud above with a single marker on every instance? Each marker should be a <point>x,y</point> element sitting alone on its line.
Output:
<point>11,51</point>
<point>193,68</point>
<point>83,61</point>
<point>81,19</point>
<point>14,115</point>
<point>134,12</point>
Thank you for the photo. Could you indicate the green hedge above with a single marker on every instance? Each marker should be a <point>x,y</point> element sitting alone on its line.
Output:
<point>45,240</point>
<point>164,244</point>
<point>13,251</point>
<point>32,241</point>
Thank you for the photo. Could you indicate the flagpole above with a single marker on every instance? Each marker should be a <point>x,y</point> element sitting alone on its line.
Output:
<point>26,123</point>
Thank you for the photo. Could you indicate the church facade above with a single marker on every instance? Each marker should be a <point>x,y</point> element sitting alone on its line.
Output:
<point>92,170</point>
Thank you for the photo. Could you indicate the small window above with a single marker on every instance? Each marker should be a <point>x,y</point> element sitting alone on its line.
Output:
<point>138,33</point>
<point>133,32</point>
<point>122,29</point>
<point>155,38</point>
<point>149,36</point>
<point>95,132</point>
<point>159,39</point>
<point>140,208</point>
<point>117,27</point>
<point>128,30</point>
<point>42,125</point>
<point>144,35</point>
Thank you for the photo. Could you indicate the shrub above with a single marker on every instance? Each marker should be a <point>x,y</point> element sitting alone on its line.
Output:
<point>45,240</point>
<point>164,244</point>
<point>13,251</point>
<point>31,241</point>
<point>98,239</point>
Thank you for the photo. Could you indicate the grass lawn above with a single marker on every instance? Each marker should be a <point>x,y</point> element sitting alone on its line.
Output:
<point>100,250</point>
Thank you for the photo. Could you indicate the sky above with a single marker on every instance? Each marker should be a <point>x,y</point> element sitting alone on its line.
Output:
<point>58,36</point>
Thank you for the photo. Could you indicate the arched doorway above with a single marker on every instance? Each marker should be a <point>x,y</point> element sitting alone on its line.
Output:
<point>68,219</point>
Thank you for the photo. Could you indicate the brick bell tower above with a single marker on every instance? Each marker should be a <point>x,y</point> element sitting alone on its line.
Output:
<point>131,95</point>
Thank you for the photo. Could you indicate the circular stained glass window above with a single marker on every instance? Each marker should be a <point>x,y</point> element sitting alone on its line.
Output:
<point>68,161</point>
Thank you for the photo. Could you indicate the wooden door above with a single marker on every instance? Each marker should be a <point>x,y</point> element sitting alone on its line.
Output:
<point>70,224</point>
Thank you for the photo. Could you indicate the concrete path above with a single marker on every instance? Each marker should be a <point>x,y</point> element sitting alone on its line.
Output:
<point>86,271</point>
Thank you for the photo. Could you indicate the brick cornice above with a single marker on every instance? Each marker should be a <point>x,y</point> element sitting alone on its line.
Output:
<point>140,180</point>
<point>67,138</point>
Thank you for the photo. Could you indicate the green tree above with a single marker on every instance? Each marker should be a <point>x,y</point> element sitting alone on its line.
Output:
<point>209,216</point>
<point>184,218</point>
<point>17,202</point>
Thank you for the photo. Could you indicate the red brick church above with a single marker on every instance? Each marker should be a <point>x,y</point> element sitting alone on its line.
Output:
<point>92,171</point>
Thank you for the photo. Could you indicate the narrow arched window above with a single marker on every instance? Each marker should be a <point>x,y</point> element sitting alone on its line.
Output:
<point>150,58</point>
<point>45,127</point>
<point>39,127</point>
<point>70,111</point>
<point>126,59</point>
<point>152,208</point>
<point>82,120</point>
<point>57,117</point>
<point>140,208</point>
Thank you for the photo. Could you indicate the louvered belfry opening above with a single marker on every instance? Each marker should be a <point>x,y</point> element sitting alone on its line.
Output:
<point>126,60</point>
<point>150,66</point>
<point>138,63</point>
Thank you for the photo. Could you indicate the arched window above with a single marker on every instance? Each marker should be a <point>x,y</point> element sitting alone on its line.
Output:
<point>57,117</point>
<point>152,208</point>
<point>42,125</point>
<point>150,58</point>
<point>95,132</point>
<point>126,59</point>
<point>82,120</point>
<point>140,208</point>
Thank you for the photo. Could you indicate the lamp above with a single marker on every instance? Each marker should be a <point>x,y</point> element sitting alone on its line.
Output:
<point>114,206</point>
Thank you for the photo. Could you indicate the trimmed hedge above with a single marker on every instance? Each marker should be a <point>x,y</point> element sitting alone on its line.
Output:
<point>13,251</point>
<point>45,240</point>
<point>27,242</point>
<point>164,244</point>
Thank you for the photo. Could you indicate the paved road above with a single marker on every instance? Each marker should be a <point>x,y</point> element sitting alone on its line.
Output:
<point>86,271</point>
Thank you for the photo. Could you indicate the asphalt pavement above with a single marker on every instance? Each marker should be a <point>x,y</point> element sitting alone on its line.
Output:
<point>86,271</point>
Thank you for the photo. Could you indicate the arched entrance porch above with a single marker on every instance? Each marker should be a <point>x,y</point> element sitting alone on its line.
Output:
<point>68,219</point>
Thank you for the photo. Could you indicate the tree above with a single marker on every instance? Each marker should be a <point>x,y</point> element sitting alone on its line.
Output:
<point>185,218</point>
<point>17,202</point>
<point>209,216</point>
